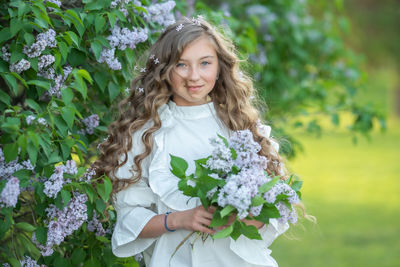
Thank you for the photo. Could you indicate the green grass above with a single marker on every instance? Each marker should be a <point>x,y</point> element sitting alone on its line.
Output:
<point>354,191</point>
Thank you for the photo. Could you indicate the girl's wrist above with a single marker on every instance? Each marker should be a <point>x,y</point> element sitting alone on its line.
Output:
<point>172,221</point>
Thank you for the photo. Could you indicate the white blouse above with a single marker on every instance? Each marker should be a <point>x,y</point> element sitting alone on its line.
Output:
<point>185,133</point>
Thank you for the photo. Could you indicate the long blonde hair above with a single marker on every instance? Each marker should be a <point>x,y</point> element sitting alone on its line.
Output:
<point>231,96</point>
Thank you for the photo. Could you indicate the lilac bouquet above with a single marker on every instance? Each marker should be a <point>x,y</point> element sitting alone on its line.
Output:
<point>234,180</point>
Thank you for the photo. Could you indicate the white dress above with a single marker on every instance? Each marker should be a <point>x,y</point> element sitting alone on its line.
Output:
<point>185,132</point>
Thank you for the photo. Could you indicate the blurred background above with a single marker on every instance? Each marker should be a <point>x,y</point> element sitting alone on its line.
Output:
<point>353,188</point>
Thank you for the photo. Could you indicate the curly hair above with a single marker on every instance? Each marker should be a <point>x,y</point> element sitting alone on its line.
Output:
<point>232,98</point>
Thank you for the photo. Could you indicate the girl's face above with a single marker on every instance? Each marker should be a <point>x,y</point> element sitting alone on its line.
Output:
<point>194,76</point>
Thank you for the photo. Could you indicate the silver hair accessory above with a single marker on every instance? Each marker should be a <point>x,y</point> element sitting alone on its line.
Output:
<point>197,21</point>
<point>179,27</point>
<point>152,56</point>
<point>135,68</point>
<point>156,61</point>
<point>142,69</point>
<point>140,89</point>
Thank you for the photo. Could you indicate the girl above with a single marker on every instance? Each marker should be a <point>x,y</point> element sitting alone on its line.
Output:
<point>191,90</point>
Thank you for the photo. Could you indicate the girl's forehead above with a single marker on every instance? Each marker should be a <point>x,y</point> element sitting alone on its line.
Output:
<point>199,48</point>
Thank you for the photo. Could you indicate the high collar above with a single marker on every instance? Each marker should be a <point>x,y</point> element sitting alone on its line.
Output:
<point>192,112</point>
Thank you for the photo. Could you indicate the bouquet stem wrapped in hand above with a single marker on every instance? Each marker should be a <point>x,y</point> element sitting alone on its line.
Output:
<point>233,180</point>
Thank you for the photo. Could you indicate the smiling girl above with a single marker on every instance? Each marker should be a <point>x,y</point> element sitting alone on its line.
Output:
<point>191,90</point>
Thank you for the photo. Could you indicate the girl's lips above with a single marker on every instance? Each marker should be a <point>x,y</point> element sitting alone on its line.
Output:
<point>194,88</point>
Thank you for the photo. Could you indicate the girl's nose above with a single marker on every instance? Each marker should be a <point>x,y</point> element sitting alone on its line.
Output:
<point>194,74</point>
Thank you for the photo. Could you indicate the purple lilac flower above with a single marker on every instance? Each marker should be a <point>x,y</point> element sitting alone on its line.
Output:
<point>6,55</point>
<point>45,61</point>
<point>7,169</point>
<point>31,118</point>
<point>58,79</point>
<point>70,167</point>
<point>63,223</point>
<point>287,214</point>
<point>122,38</point>
<point>281,188</point>
<point>55,182</point>
<point>161,13</point>
<point>138,257</point>
<point>9,194</point>
<point>87,176</point>
<point>107,56</point>
<point>35,49</point>
<point>91,122</point>
<point>95,225</point>
<point>221,157</point>
<point>29,262</point>
<point>49,37</point>
<point>20,66</point>
<point>58,3</point>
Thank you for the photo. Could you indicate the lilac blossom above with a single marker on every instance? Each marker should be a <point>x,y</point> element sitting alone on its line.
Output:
<point>31,118</point>
<point>279,189</point>
<point>6,55</point>
<point>58,79</point>
<point>287,214</point>
<point>87,176</point>
<point>7,169</point>
<point>20,66</point>
<point>90,123</point>
<point>161,13</point>
<point>94,225</point>
<point>9,194</point>
<point>122,38</point>
<point>29,262</point>
<point>221,157</point>
<point>108,56</point>
<point>49,37</point>
<point>55,182</point>
<point>45,61</point>
<point>138,257</point>
<point>62,223</point>
<point>35,49</point>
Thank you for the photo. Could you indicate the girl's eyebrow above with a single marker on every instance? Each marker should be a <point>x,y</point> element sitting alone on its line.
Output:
<point>182,59</point>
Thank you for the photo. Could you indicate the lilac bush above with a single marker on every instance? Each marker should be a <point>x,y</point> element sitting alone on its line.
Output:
<point>62,66</point>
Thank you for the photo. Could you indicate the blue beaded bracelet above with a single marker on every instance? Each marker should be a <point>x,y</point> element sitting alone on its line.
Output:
<point>165,222</point>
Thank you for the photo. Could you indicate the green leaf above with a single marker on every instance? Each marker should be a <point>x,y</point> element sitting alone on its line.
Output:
<point>101,80</point>
<point>89,192</point>
<point>85,74</point>
<point>14,262</point>
<point>179,166</point>
<point>268,185</point>
<point>68,114</point>
<point>100,205</point>
<point>96,48</point>
<point>103,239</point>
<point>64,49</point>
<point>67,95</point>
<point>66,196</point>
<point>43,84</point>
<point>224,140</point>
<point>23,175</point>
<point>5,34</point>
<point>32,104</point>
<point>227,210</point>
<point>5,98</point>
<point>74,37</point>
<point>257,201</point>
<point>113,90</point>
<point>250,231</point>
<point>217,220</point>
<point>10,151</point>
<point>41,235</point>
<point>78,256</point>
<point>15,26</point>
<point>223,233</point>
<point>24,226</point>
<point>11,82</point>
<point>266,213</point>
<point>296,185</point>
<point>92,261</point>
<point>112,18</point>
<point>99,23</point>
<point>61,262</point>
<point>105,189</point>
<point>16,75</point>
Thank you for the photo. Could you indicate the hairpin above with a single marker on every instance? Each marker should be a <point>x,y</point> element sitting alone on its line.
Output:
<point>179,27</point>
<point>152,56</point>
<point>142,69</point>
<point>156,61</point>
<point>140,89</point>
<point>197,21</point>
<point>135,68</point>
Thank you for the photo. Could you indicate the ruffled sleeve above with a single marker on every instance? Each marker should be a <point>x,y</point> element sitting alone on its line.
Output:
<point>256,251</point>
<point>133,206</point>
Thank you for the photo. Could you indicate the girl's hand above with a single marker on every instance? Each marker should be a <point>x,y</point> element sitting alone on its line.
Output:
<point>196,219</point>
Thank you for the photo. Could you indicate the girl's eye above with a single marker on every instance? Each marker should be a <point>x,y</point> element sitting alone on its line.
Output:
<point>205,63</point>
<point>180,65</point>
